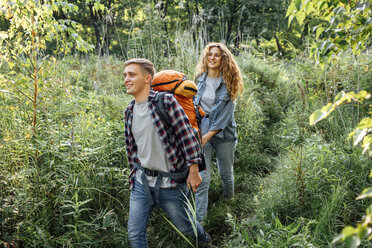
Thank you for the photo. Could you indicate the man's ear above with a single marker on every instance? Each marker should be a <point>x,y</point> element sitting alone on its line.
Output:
<point>148,79</point>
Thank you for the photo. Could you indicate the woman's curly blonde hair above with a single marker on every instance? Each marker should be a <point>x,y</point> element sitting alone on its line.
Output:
<point>231,74</point>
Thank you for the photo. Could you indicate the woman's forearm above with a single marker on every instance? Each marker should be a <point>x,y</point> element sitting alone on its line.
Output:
<point>208,136</point>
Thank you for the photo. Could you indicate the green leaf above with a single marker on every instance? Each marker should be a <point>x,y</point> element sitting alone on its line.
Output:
<point>338,10</point>
<point>298,4</point>
<point>348,231</point>
<point>352,242</point>
<point>362,231</point>
<point>291,10</point>
<point>318,115</point>
<point>11,65</point>
<point>319,31</point>
<point>5,91</point>
<point>366,193</point>
<point>359,135</point>
<point>99,7</point>
<point>363,95</point>
<point>326,46</point>
<point>179,232</point>
<point>340,98</point>
<point>300,16</point>
<point>365,123</point>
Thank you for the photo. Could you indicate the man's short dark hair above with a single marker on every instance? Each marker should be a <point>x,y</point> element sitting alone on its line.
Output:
<point>145,64</point>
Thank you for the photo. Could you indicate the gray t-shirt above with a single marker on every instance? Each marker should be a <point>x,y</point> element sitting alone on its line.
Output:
<point>151,151</point>
<point>207,99</point>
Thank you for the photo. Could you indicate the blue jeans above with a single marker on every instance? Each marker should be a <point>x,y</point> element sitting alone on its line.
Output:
<point>171,201</point>
<point>225,160</point>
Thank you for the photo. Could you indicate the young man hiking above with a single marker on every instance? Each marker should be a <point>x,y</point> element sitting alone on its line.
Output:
<point>162,168</point>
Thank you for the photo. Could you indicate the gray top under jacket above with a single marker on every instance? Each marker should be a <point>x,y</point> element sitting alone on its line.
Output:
<point>207,99</point>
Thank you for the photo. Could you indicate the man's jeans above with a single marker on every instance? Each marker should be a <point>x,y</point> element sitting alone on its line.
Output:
<point>171,201</point>
<point>225,161</point>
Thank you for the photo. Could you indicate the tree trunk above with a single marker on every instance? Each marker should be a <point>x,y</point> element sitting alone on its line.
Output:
<point>164,9</point>
<point>280,49</point>
<point>229,29</point>
<point>109,25</point>
<point>94,19</point>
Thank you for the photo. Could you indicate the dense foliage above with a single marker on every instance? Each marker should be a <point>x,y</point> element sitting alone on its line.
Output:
<point>63,168</point>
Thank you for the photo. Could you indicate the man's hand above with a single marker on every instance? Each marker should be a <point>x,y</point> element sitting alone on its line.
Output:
<point>194,179</point>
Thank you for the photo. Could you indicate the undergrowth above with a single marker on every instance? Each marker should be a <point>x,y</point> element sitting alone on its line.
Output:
<point>67,186</point>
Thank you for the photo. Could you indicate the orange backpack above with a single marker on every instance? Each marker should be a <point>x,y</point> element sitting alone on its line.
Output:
<point>183,90</point>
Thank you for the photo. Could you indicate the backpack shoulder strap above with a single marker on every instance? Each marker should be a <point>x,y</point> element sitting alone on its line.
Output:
<point>164,117</point>
<point>161,111</point>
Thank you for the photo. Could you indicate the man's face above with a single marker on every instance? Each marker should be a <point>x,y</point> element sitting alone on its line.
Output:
<point>136,81</point>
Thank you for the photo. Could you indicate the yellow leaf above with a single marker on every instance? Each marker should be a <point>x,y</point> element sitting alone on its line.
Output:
<point>348,231</point>
<point>11,65</point>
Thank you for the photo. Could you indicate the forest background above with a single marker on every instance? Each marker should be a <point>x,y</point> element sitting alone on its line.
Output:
<point>63,168</point>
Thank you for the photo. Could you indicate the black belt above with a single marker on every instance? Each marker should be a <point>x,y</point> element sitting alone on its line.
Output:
<point>179,177</point>
<point>149,172</point>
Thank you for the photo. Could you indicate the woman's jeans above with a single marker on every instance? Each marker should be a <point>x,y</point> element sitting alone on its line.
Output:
<point>225,160</point>
<point>171,201</point>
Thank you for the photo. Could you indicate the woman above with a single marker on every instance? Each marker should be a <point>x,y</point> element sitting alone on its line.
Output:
<point>219,83</point>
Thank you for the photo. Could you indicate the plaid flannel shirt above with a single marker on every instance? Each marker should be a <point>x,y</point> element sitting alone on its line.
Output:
<point>183,148</point>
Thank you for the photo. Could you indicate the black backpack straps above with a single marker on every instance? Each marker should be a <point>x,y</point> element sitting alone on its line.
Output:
<point>165,83</point>
<point>161,111</point>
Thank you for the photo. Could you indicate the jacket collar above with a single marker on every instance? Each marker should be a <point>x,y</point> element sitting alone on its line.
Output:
<point>203,77</point>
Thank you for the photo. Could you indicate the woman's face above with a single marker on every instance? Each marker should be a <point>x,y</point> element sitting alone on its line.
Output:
<point>214,58</point>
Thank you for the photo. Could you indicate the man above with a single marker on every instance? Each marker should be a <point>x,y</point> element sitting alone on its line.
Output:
<point>159,164</point>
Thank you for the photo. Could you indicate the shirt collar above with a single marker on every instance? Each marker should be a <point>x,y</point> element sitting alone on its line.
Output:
<point>152,94</point>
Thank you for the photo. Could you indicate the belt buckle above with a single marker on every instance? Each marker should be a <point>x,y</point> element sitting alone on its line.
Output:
<point>150,172</point>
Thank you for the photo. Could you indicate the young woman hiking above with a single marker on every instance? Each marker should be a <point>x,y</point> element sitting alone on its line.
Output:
<point>219,83</point>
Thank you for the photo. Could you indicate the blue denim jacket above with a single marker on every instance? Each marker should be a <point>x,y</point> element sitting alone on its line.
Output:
<point>221,116</point>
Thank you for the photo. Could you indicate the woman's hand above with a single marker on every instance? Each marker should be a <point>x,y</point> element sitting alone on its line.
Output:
<point>208,136</point>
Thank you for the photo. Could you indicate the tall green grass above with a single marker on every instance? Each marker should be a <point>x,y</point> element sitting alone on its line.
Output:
<point>74,192</point>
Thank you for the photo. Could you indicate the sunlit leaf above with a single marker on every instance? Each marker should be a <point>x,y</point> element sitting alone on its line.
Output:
<point>319,31</point>
<point>363,94</point>
<point>316,116</point>
<point>367,142</point>
<point>5,91</point>
<point>340,97</point>
<point>366,193</point>
<point>321,114</point>
<point>300,16</point>
<point>359,135</point>
<point>365,123</point>
<point>348,231</point>
<point>291,10</point>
